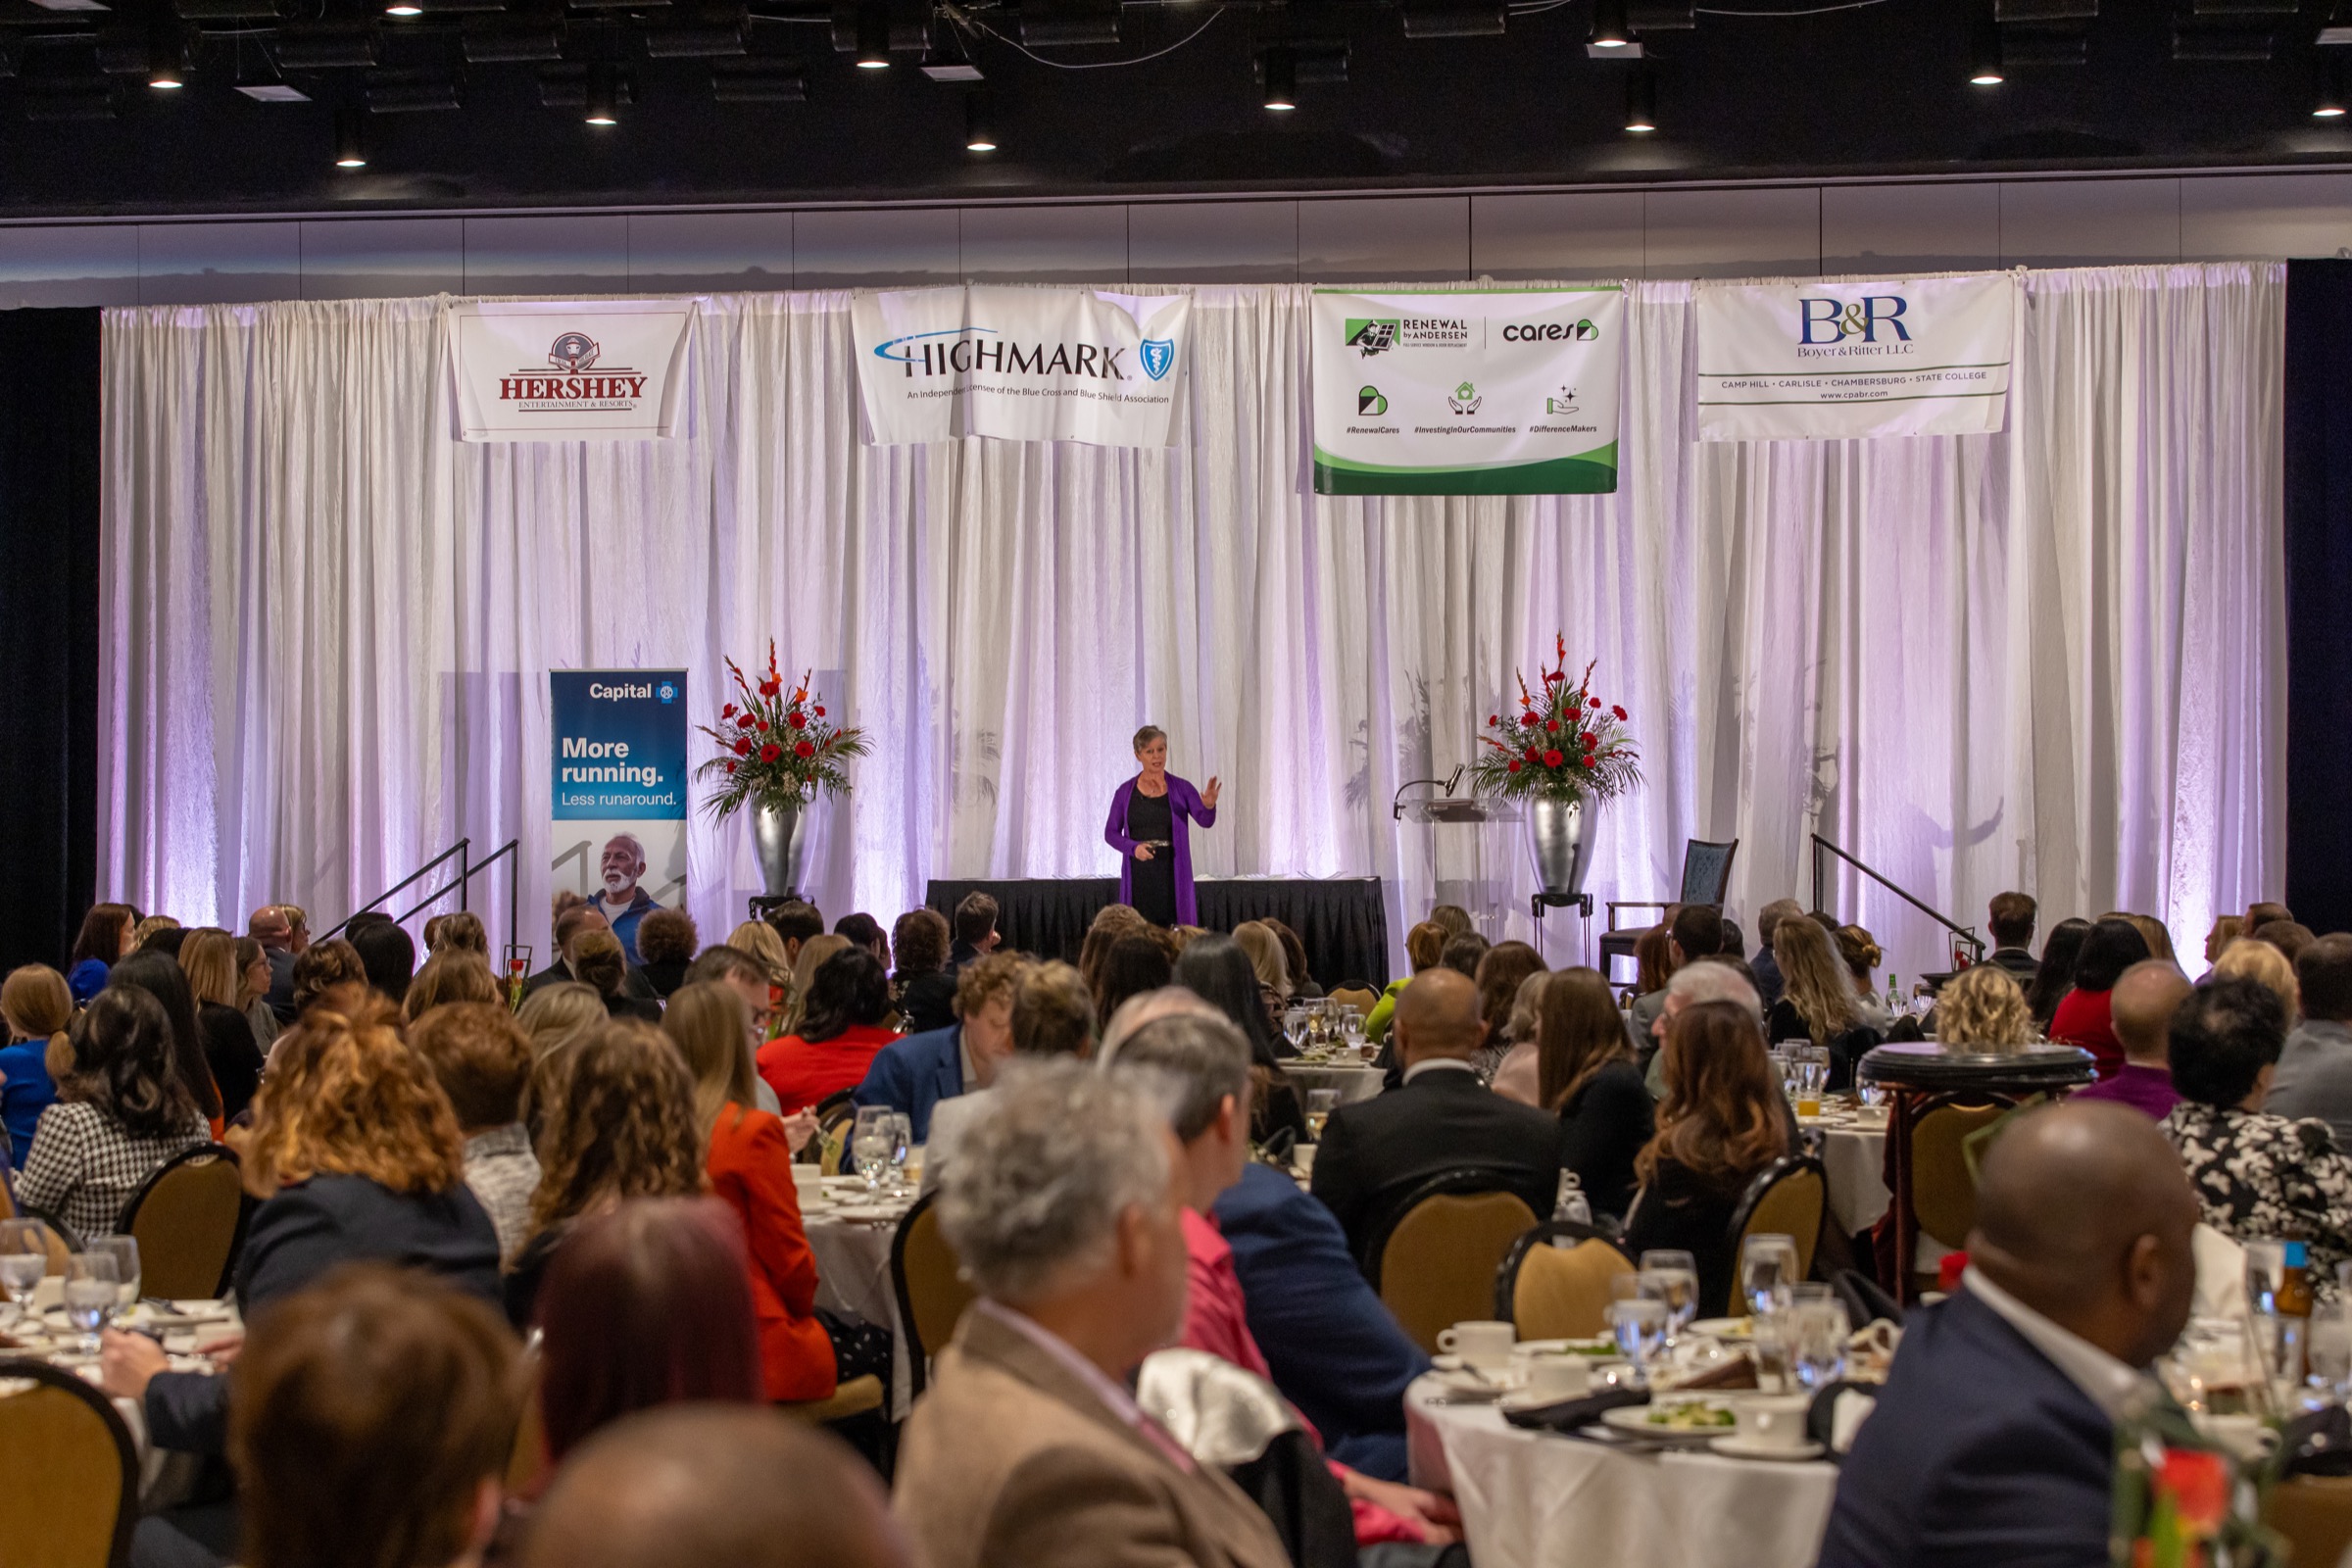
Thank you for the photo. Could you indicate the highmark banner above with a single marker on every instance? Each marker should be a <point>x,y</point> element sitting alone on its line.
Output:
<point>620,791</point>
<point>1828,362</point>
<point>1021,365</point>
<point>1467,392</point>
<point>552,370</point>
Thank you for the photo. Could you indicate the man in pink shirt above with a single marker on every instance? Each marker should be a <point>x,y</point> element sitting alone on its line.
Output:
<point>1202,1063</point>
<point>2141,1007</point>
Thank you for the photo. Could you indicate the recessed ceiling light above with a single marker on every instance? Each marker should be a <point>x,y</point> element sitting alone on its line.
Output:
<point>1610,31</point>
<point>404,8</point>
<point>979,122</point>
<point>604,95</point>
<point>874,35</point>
<point>1642,102</point>
<point>1282,79</point>
<point>1984,54</point>
<point>351,137</point>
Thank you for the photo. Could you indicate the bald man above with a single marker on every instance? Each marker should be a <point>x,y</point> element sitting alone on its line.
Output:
<point>703,1485</point>
<point>1993,1438</point>
<point>2145,998</point>
<point>1441,1117</point>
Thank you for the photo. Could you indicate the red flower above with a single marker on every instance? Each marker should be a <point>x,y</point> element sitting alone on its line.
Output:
<point>1551,723</point>
<point>764,726</point>
<point>1620,713</point>
<point>770,752</point>
<point>1552,759</point>
<point>821,713</point>
<point>731,767</point>
<point>795,722</point>
<point>1495,718</point>
<point>1596,701</point>
<point>1588,759</point>
<point>769,688</point>
<point>1588,740</point>
<point>745,721</point>
<point>743,747</point>
<point>2200,1487</point>
<point>1516,766</point>
<point>1530,753</point>
<point>803,750</point>
<point>727,711</point>
<point>1552,677</point>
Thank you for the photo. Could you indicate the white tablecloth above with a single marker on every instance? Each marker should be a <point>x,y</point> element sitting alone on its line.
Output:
<point>1352,1083</point>
<point>1533,1501</point>
<point>1855,1163</point>
<point>853,1275</point>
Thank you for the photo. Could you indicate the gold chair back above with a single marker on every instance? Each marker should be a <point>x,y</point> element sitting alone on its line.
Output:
<point>931,1290</point>
<point>1562,1292</point>
<point>72,1494</point>
<point>528,1467</point>
<point>834,1126</point>
<point>1944,1192</point>
<point>2315,1515</point>
<point>1793,1206</point>
<point>1438,1269</point>
<point>185,1222</point>
<point>1357,997</point>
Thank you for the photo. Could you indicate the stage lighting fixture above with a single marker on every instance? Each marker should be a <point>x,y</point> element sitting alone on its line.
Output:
<point>1641,102</point>
<point>2331,102</point>
<point>1610,31</point>
<point>1985,54</point>
<point>351,136</point>
<point>979,122</point>
<point>1282,79</point>
<point>404,8</point>
<point>874,35</point>
<point>604,95</point>
<point>167,75</point>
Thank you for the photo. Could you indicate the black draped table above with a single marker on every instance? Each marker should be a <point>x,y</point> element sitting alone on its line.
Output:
<point>1340,919</point>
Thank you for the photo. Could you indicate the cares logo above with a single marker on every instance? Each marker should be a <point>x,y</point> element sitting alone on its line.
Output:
<point>1578,331</point>
<point>1828,321</point>
<point>573,352</point>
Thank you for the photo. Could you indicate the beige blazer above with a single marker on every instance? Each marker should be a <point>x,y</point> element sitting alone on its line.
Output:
<point>1010,1462</point>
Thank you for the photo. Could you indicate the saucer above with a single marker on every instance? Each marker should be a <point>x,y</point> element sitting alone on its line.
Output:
<point>1736,1447</point>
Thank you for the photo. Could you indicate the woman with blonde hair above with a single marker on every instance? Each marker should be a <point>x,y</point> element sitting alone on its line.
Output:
<point>2251,959</point>
<point>750,1168</point>
<point>555,1017</point>
<point>354,1154</point>
<point>623,1126</point>
<point>461,932</point>
<point>2151,930</point>
<point>1817,999</point>
<point>813,952</point>
<point>453,974</point>
<point>38,1006</point>
<point>1264,950</point>
<point>1585,1073</point>
<point>2226,930</point>
<point>1980,1009</point>
<point>759,939</point>
<point>209,959</point>
<point>254,979</point>
<point>1861,955</point>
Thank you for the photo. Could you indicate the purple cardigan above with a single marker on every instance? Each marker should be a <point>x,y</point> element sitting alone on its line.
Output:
<point>1183,801</point>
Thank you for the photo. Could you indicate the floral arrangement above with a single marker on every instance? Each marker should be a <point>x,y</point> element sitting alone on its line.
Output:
<point>775,746</point>
<point>1563,744</point>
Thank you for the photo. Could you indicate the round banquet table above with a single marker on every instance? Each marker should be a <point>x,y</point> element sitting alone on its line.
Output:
<point>853,1276</point>
<point>1352,1083</point>
<point>1855,1162</point>
<point>1531,1499</point>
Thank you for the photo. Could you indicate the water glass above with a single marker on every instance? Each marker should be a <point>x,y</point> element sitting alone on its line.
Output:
<point>1817,1331</point>
<point>125,1250</point>
<point>1320,1103</point>
<point>2328,1353</point>
<point>871,1138</point>
<point>1672,1276</point>
<point>1293,1028</point>
<point>90,1286</point>
<point>1639,1329</point>
<point>1767,1272</point>
<point>23,1260</point>
<point>902,1145</point>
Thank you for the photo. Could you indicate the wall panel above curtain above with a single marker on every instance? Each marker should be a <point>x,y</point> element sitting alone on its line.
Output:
<point>2049,659</point>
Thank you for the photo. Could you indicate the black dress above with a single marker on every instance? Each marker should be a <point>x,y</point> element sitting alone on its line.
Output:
<point>1148,822</point>
<point>1601,1129</point>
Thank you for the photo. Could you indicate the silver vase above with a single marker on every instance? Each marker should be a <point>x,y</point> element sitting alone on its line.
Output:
<point>1560,838</point>
<point>780,833</point>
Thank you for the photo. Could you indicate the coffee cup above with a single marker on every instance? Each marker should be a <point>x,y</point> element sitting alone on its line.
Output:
<point>1774,1420</point>
<point>1302,1159</point>
<point>1481,1344</point>
<point>808,1181</point>
<point>1551,1378</point>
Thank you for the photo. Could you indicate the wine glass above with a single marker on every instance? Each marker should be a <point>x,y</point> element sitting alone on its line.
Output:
<point>1817,1328</point>
<point>91,1295</point>
<point>1320,1103</point>
<point>1672,1276</point>
<point>125,1250</point>
<point>23,1260</point>
<point>1767,1270</point>
<point>870,1142</point>
<point>902,1143</point>
<point>1294,1029</point>
<point>1639,1329</point>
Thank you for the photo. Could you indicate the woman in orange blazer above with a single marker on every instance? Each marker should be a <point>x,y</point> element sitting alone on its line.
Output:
<point>749,1165</point>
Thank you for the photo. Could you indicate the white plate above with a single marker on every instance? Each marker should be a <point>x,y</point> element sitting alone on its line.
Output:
<point>1463,1386</point>
<point>1724,1328</point>
<point>1634,1421</point>
<point>1736,1447</point>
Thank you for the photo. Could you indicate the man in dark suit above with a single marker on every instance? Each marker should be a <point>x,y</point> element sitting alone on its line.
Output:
<point>2010,920</point>
<point>568,927</point>
<point>1994,1438</point>
<point>1438,1118</point>
<point>976,933</point>
<point>275,933</point>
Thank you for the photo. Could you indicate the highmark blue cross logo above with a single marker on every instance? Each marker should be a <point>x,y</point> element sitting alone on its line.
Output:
<point>668,691</point>
<point>1158,355</point>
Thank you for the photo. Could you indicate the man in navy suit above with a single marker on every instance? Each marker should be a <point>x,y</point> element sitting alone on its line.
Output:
<point>916,1073</point>
<point>1993,1439</point>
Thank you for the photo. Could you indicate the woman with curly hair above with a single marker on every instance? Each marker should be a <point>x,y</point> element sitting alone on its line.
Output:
<point>1980,1009</point>
<point>355,1154</point>
<point>323,964</point>
<point>623,1126</point>
<point>122,1110</point>
<point>454,974</point>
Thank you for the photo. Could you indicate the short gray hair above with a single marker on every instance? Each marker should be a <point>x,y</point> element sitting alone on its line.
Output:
<point>1202,1060</point>
<point>1049,1162</point>
<point>1703,981</point>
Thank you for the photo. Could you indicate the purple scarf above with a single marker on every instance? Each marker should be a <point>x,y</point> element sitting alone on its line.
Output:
<point>1183,801</point>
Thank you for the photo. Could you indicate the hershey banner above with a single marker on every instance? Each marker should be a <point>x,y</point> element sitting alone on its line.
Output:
<point>548,370</point>
<point>1829,362</point>
<point>1467,392</point>
<point>1021,365</point>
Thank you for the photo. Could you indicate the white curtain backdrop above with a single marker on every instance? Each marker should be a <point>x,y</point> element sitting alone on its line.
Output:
<point>2051,659</point>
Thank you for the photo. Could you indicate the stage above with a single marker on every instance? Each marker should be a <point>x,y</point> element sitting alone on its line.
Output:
<point>1338,919</point>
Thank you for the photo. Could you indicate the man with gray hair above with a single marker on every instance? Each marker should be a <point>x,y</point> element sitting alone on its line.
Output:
<point>1027,1452</point>
<point>1704,980</point>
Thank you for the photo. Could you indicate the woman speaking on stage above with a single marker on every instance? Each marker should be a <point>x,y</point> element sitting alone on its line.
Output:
<point>1147,827</point>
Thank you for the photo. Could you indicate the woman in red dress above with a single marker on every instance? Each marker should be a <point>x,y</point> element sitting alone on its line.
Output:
<point>841,1031</point>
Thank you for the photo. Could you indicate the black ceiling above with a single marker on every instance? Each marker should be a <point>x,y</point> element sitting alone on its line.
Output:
<point>1746,88</point>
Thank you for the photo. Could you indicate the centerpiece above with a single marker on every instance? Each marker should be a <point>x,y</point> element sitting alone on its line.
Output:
<point>777,753</point>
<point>1563,752</point>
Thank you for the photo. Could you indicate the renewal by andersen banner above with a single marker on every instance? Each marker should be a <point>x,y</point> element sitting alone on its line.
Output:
<point>1467,392</point>
<point>1021,365</point>
<point>1829,362</point>
<point>552,370</point>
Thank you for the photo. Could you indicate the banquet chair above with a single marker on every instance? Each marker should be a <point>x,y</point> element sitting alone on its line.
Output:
<point>929,1286</point>
<point>1944,1190</point>
<point>72,1491</point>
<point>189,1220</point>
<point>1554,1282</point>
<point>64,1240</point>
<point>1433,1258</point>
<point>1360,999</point>
<point>1787,1197</point>
<point>2315,1515</point>
<point>836,1114</point>
<point>528,1464</point>
<point>1706,878</point>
